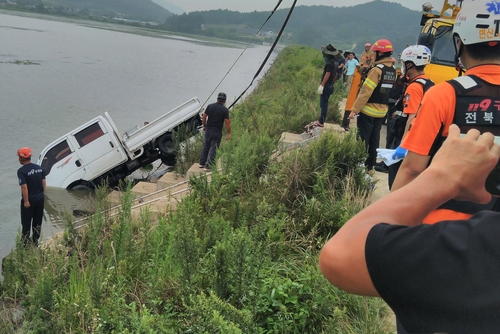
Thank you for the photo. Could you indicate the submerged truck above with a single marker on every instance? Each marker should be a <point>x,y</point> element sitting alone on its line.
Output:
<point>97,151</point>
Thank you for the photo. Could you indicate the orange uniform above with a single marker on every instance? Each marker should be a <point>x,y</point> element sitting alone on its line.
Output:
<point>413,95</point>
<point>432,121</point>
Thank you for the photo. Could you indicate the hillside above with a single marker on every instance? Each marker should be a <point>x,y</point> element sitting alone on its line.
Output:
<point>349,28</point>
<point>144,10</point>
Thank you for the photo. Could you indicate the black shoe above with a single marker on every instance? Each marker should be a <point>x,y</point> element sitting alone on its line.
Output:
<point>380,164</point>
<point>382,169</point>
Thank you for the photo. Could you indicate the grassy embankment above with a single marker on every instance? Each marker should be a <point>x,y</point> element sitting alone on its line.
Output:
<point>237,256</point>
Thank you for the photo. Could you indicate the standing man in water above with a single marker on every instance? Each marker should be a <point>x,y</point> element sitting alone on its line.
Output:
<point>32,181</point>
<point>213,119</point>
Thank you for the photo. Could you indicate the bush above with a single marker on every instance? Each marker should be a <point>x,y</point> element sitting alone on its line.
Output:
<point>238,255</point>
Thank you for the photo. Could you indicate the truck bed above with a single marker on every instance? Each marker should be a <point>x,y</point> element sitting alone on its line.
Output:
<point>136,138</point>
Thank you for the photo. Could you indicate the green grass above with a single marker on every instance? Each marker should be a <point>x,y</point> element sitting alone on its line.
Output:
<point>239,255</point>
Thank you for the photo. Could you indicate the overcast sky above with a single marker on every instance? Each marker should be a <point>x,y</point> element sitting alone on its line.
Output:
<point>268,5</point>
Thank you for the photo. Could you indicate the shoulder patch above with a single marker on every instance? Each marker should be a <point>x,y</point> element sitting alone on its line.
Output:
<point>466,82</point>
<point>422,81</point>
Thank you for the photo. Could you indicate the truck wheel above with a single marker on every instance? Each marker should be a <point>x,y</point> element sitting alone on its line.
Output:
<point>168,160</point>
<point>166,145</point>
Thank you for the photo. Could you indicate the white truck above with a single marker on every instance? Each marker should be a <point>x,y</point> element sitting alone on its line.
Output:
<point>97,151</point>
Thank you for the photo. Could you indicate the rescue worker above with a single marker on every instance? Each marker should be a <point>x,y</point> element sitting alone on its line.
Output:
<point>31,178</point>
<point>367,57</point>
<point>371,102</point>
<point>414,59</point>
<point>470,101</point>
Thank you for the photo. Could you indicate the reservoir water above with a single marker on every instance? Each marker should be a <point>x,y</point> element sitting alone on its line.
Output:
<point>54,76</point>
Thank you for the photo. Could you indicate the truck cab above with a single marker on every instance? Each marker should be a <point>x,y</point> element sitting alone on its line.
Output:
<point>437,34</point>
<point>87,151</point>
<point>97,152</point>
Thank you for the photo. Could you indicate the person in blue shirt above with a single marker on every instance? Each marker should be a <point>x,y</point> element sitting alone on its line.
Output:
<point>350,66</point>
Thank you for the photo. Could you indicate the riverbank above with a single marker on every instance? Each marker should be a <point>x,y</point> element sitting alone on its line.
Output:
<point>129,29</point>
<point>237,255</point>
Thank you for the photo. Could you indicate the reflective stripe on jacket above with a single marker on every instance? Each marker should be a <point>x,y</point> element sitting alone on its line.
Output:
<point>374,77</point>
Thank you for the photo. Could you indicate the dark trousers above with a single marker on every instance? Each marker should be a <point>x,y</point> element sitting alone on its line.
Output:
<point>393,169</point>
<point>323,102</point>
<point>369,132</point>
<point>213,137</point>
<point>32,218</point>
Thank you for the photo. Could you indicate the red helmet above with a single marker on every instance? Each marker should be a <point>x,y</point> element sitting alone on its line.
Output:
<point>24,152</point>
<point>383,45</point>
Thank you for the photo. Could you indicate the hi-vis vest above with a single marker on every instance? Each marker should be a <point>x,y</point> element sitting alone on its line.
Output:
<point>398,126</point>
<point>382,92</point>
<point>477,107</point>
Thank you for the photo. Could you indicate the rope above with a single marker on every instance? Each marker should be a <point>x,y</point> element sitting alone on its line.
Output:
<point>268,54</point>
<point>248,45</point>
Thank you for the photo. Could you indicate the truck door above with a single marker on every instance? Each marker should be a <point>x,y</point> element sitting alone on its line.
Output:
<point>61,164</point>
<point>100,150</point>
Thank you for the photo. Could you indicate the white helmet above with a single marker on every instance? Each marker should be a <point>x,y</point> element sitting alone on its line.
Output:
<point>477,22</point>
<point>419,55</point>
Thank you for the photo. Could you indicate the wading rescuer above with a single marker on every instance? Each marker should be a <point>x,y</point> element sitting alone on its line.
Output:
<point>470,101</point>
<point>371,102</point>
<point>32,181</point>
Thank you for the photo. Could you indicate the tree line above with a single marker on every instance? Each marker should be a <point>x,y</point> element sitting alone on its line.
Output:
<point>349,28</point>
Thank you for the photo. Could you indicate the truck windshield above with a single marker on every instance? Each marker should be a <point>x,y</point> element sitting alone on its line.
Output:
<point>55,154</point>
<point>443,51</point>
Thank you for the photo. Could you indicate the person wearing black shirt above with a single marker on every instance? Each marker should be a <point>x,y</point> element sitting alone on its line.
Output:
<point>325,89</point>
<point>214,117</point>
<point>32,181</point>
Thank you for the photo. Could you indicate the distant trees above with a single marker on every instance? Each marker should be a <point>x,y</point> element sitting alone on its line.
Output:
<point>186,23</point>
<point>27,2</point>
<point>314,25</point>
<point>40,8</point>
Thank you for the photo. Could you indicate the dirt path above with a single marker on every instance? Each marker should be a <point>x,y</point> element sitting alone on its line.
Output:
<point>381,189</point>
<point>381,185</point>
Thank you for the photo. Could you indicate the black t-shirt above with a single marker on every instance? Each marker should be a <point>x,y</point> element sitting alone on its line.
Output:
<point>217,113</point>
<point>330,67</point>
<point>441,278</point>
<point>32,175</point>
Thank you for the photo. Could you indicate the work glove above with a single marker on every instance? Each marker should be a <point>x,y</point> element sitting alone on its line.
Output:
<point>320,89</point>
<point>400,153</point>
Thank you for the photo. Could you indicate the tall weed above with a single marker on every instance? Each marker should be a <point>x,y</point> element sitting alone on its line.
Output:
<point>238,255</point>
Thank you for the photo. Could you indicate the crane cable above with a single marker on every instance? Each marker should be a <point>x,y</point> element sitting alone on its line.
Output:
<point>249,43</point>
<point>268,54</point>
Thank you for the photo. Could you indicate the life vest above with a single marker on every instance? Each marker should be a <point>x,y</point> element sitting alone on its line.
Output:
<point>398,126</point>
<point>477,107</point>
<point>382,92</point>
